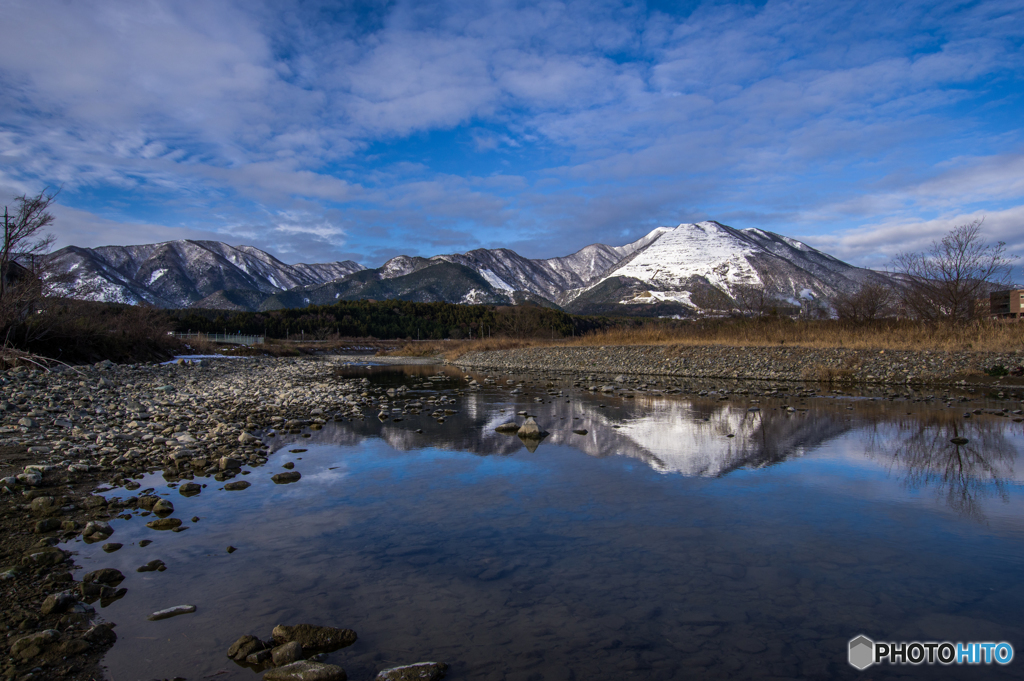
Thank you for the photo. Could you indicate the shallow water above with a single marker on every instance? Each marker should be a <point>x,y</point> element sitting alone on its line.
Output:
<point>654,547</point>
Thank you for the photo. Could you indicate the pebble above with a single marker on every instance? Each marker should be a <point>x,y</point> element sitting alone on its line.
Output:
<point>171,612</point>
<point>164,524</point>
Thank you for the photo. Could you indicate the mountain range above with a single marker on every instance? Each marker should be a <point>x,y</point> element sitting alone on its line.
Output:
<point>672,270</point>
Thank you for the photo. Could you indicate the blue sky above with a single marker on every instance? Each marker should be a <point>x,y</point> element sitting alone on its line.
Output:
<point>325,131</point>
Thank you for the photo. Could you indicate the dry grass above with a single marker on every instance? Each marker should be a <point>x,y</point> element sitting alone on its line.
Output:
<point>202,346</point>
<point>453,349</point>
<point>982,336</point>
<point>885,335</point>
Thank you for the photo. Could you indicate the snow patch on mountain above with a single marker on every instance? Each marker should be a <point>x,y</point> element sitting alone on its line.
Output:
<point>495,281</point>
<point>651,297</point>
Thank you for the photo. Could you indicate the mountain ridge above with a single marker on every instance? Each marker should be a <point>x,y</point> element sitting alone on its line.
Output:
<point>687,269</point>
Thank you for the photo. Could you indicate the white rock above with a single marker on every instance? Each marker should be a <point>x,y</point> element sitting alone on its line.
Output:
<point>171,612</point>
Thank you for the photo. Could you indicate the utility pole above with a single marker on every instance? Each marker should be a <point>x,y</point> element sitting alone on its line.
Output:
<point>3,265</point>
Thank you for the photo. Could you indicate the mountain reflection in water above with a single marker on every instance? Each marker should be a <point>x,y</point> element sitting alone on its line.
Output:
<point>698,436</point>
<point>671,435</point>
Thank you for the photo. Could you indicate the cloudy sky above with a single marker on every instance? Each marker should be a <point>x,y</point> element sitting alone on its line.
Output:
<point>325,131</point>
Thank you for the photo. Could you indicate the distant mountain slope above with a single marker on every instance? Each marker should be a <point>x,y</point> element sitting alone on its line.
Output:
<point>506,270</point>
<point>670,271</point>
<point>180,273</point>
<point>437,282</point>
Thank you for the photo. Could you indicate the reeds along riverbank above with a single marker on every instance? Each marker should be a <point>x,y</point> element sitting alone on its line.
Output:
<point>980,336</point>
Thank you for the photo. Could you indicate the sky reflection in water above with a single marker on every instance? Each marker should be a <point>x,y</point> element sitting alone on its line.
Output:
<point>660,549</point>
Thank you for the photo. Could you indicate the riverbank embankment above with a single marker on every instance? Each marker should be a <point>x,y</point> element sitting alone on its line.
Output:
<point>782,363</point>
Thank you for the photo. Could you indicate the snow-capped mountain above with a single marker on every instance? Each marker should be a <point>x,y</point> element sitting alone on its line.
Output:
<point>671,270</point>
<point>181,273</point>
<point>707,264</point>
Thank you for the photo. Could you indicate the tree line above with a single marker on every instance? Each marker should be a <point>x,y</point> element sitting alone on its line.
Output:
<point>394,319</point>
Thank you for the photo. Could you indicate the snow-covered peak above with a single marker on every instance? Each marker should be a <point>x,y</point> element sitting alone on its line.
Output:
<point>401,265</point>
<point>704,249</point>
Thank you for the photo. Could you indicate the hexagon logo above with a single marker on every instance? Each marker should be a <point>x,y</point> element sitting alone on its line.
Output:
<point>862,652</point>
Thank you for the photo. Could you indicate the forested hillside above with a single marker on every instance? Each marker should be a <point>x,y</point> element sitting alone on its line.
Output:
<point>393,319</point>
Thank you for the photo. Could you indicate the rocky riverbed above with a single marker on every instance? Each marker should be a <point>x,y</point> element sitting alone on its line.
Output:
<point>759,363</point>
<point>66,434</point>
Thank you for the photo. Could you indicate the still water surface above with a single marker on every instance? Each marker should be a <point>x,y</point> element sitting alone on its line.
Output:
<point>653,547</point>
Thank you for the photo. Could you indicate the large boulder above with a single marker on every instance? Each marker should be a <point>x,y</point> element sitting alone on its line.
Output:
<point>147,501</point>
<point>96,530</point>
<point>313,638</point>
<point>531,434</point>
<point>189,489</point>
<point>530,430</point>
<point>46,525</point>
<point>43,506</point>
<point>245,646</point>
<point>27,647</point>
<point>58,603</point>
<point>104,576</point>
<point>164,523</point>
<point>44,557</point>
<point>286,653</point>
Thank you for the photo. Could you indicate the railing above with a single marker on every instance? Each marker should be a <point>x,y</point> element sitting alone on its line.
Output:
<point>232,338</point>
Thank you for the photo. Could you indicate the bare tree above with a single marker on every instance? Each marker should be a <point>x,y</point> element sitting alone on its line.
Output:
<point>24,241</point>
<point>950,279</point>
<point>752,300</point>
<point>27,282</point>
<point>873,300</point>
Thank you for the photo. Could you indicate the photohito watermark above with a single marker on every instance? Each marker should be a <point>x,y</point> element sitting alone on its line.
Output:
<point>864,652</point>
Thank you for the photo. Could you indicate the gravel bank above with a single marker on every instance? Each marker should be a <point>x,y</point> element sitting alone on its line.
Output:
<point>759,363</point>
